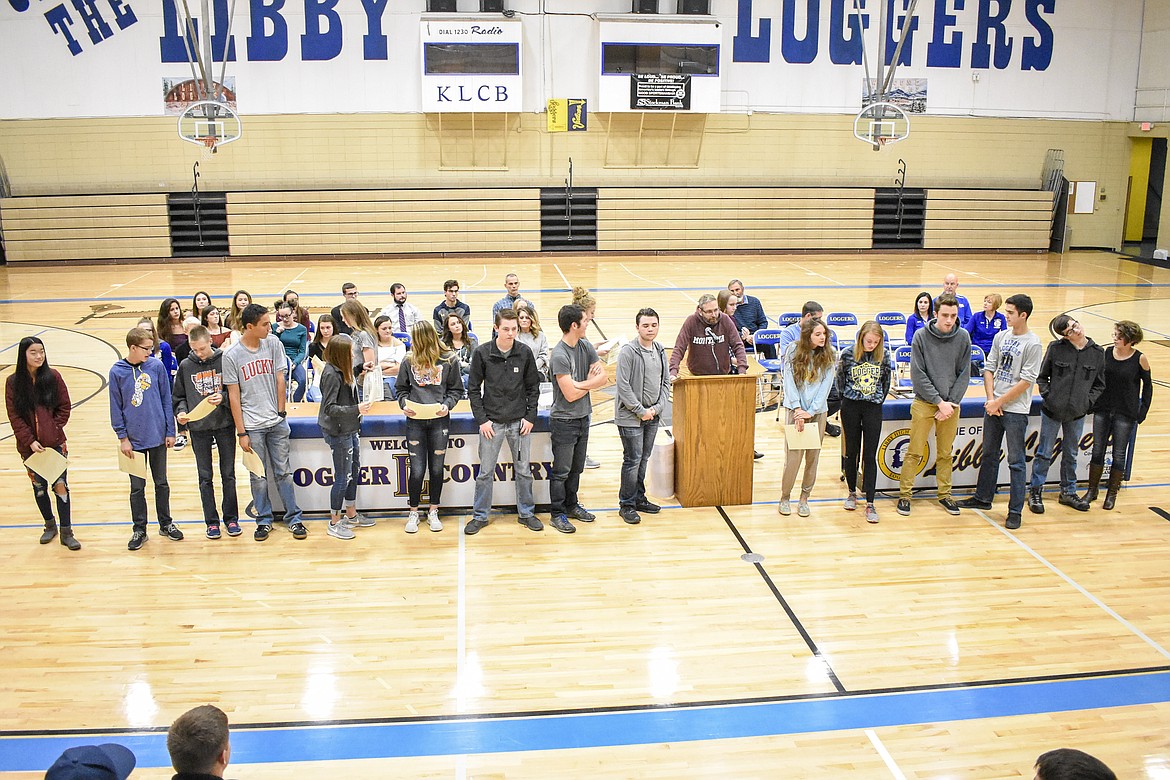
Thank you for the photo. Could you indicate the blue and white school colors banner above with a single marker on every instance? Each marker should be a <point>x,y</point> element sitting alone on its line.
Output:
<point>967,451</point>
<point>109,58</point>
<point>385,465</point>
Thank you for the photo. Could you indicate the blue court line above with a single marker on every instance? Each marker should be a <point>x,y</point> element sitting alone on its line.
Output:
<point>393,513</point>
<point>438,294</point>
<point>508,734</point>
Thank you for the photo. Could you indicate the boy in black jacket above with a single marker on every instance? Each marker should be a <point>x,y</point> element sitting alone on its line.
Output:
<point>1071,379</point>
<point>504,388</point>
<point>200,376</point>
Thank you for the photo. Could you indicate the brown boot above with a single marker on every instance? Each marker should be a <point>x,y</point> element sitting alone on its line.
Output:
<point>1114,485</point>
<point>1095,470</point>
<point>50,531</point>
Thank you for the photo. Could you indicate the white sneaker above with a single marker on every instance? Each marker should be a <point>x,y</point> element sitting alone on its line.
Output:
<point>802,508</point>
<point>340,530</point>
<point>180,442</point>
<point>785,508</point>
<point>433,520</point>
<point>412,522</point>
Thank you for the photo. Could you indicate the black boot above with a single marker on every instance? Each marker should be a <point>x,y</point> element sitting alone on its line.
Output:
<point>1095,470</point>
<point>50,531</point>
<point>1114,485</point>
<point>68,539</point>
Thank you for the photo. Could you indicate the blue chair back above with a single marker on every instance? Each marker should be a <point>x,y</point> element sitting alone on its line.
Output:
<point>840,319</point>
<point>787,319</point>
<point>403,337</point>
<point>768,336</point>
<point>890,319</point>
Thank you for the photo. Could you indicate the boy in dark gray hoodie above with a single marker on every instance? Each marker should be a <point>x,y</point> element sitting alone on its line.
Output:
<point>940,368</point>
<point>200,376</point>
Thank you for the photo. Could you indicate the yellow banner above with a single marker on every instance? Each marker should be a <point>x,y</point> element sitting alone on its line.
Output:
<point>567,115</point>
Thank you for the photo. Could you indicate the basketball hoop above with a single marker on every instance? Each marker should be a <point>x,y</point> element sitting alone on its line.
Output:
<point>209,124</point>
<point>881,123</point>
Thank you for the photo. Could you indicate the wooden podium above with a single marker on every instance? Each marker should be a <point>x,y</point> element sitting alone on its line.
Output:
<point>714,439</point>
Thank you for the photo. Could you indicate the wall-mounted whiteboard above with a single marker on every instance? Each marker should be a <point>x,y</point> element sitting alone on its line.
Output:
<point>1082,196</point>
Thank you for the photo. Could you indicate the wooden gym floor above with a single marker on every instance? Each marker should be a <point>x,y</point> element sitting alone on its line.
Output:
<point>922,647</point>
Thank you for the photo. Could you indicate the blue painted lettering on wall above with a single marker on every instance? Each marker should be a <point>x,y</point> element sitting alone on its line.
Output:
<point>93,16</point>
<point>808,30</point>
<point>802,33</point>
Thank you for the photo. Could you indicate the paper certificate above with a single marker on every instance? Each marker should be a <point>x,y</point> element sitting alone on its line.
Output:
<point>134,466</point>
<point>373,389</point>
<point>49,463</point>
<point>423,411</point>
<point>252,463</point>
<point>809,439</point>
<point>201,410</point>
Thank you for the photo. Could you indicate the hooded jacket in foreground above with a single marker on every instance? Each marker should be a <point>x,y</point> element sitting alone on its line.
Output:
<point>940,363</point>
<point>140,403</point>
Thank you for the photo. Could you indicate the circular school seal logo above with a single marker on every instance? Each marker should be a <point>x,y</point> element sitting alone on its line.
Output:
<point>892,453</point>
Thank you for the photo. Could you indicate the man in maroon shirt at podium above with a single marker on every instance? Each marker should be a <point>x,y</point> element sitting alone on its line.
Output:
<point>708,339</point>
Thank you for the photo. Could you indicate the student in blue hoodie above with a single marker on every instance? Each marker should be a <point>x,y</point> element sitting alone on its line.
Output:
<point>144,422</point>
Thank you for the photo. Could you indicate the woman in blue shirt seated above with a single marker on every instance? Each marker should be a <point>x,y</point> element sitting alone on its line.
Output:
<point>986,324</point>
<point>923,313</point>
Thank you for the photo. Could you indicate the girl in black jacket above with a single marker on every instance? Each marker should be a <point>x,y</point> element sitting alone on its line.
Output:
<point>340,419</point>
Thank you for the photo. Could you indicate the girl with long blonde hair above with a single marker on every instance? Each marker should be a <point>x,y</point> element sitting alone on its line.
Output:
<point>531,335</point>
<point>428,376</point>
<point>864,379</point>
<point>808,377</point>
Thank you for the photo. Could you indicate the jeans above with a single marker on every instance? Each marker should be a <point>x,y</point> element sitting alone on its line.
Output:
<point>1116,428</point>
<point>156,459</point>
<point>41,491</point>
<point>862,421</point>
<point>271,444</point>
<point>489,453</point>
<point>426,441</point>
<point>569,440</point>
<point>298,376</point>
<point>225,442</point>
<point>346,450</point>
<point>921,421</point>
<point>637,444</point>
<point>1015,425</point>
<point>1071,431</point>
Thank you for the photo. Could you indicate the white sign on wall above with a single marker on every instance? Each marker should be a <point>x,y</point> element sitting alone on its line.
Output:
<point>471,65</point>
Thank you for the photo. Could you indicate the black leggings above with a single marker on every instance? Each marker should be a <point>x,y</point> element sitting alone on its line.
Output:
<point>862,423</point>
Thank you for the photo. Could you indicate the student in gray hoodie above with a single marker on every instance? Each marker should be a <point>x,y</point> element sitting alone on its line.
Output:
<point>940,368</point>
<point>200,376</point>
<point>643,393</point>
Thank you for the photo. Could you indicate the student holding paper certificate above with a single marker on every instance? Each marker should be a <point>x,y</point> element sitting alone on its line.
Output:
<point>364,336</point>
<point>200,379</point>
<point>144,422</point>
<point>808,376</point>
<point>864,378</point>
<point>340,420</point>
<point>38,408</point>
<point>429,378</point>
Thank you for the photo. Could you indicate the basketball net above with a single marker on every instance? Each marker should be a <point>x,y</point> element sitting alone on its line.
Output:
<point>209,145</point>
